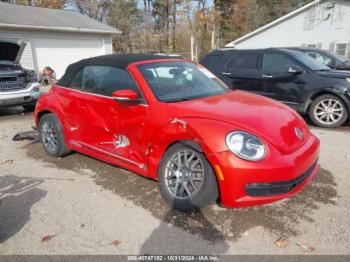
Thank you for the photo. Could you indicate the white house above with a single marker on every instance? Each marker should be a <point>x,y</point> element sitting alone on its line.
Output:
<point>54,37</point>
<point>323,24</point>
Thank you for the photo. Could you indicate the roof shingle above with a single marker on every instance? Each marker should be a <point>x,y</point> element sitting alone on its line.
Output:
<point>12,15</point>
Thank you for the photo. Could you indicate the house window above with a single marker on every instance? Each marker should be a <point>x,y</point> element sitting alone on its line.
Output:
<point>340,49</point>
<point>311,45</point>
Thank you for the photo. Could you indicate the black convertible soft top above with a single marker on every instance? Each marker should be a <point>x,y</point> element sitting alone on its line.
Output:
<point>115,60</point>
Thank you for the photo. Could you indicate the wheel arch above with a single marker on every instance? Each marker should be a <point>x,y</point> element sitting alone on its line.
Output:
<point>327,91</point>
<point>195,146</point>
<point>60,117</point>
<point>186,142</point>
<point>41,114</point>
<point>61,144</point>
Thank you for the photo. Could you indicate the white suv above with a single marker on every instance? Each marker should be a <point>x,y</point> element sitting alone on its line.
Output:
<point>18,86</point>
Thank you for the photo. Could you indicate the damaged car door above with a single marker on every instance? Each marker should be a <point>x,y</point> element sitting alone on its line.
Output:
<point>110,127</point>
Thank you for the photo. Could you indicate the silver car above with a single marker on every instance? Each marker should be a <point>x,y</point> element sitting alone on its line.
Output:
<point>18,86</point>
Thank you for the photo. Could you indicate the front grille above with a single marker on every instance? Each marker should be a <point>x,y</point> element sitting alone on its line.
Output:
<point>9,83</point>
<point>275,188</point>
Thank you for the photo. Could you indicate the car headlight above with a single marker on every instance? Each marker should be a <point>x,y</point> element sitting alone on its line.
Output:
<point>246,146</point>
<point>32,77</point>
<point>348,79</point>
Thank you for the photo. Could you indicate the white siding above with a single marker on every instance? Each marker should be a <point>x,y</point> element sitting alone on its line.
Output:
<point>58,49</point>
<point>319,25</point>
<point>59,52</point>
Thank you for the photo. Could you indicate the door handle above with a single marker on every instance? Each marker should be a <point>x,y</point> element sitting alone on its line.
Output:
<point>267,76</point>
<point>226,73</point>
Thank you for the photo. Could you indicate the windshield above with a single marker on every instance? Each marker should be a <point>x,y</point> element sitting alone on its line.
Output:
<point>340,57</point>
<point>308,61</point>
<point>180,81</point>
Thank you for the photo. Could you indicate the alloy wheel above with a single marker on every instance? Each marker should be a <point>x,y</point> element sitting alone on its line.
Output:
<point>49,136</point>
<point>329,111</point>
<point>184,173</point>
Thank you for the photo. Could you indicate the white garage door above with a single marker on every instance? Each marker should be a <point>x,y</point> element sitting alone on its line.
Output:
<point>58,53</point>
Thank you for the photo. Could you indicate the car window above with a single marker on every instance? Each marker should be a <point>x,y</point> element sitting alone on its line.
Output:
<point>104,80</point>
<point>210,61</point>
<point>76,82</point>
<point>320,57</point>
<point>307,61</point>
<point>244,60</point>
<point>276,62</point>
<point>179,81</point>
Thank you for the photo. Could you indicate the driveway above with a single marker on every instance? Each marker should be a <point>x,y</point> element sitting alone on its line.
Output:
<point>79,205</point>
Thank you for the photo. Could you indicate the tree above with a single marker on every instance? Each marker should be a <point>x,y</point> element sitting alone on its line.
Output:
<point>173,42</point>
<point>96,9</point>
<point>239,17</point>
<point>200,18</point>
<point>125,16</point>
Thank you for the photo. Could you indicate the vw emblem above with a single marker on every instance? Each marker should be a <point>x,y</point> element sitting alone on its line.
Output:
<point>298,133</point>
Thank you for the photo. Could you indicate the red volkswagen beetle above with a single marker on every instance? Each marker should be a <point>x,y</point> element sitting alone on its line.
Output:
<point>173,121</point>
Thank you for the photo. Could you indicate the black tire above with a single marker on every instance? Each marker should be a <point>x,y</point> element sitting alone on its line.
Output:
<point>57,148</point>
<point>207,192</point>
<point>313,110</point>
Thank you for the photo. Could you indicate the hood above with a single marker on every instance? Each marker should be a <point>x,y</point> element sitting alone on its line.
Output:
<point>343,66</point>
<point>263,117</point>
<point>11,50</point>
<point>335,73</point>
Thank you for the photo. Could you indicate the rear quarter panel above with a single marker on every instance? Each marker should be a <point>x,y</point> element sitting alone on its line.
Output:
<point>49,103</point>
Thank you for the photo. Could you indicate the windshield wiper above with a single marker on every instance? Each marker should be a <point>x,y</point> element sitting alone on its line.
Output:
<point>178,100</point>
<point>184,99</point>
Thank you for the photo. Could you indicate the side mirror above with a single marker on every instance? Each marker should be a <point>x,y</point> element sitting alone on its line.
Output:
<point>126,96</point>
<point>294,70</point>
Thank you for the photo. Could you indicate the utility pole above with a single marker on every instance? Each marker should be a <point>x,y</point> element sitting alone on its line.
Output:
<point>194,49</point>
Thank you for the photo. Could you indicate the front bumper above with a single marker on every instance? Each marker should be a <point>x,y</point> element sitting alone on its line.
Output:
<point>276,188</point>
<point>243,183</point>
<point>20,97</point>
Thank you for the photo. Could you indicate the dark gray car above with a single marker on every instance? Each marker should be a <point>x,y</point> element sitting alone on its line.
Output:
<point>288,76</point>
<point>330,59</point>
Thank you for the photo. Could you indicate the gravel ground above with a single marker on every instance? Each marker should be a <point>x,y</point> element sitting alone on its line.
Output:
<point>79,205</point>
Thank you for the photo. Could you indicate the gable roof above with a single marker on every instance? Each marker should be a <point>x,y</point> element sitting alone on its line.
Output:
<point>273,23</point>
<point>37,18</point>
